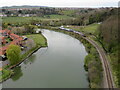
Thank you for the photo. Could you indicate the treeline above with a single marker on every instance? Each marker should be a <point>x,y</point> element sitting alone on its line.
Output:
<point>109,35</point>
<point>80,17</point>
<point>92,16</point>
<point>93,66</point>
<point>36,12</point>
<point>108,32</point>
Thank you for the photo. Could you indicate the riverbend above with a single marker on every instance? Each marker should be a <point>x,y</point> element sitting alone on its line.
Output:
<point>60,65</point>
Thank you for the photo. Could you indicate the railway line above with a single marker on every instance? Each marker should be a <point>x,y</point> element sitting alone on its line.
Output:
<point>105,64</point>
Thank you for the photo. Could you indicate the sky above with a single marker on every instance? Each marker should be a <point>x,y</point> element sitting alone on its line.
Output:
<point>61,3</point>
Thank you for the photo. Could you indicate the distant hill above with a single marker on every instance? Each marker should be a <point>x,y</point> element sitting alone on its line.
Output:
<point>24,6</point>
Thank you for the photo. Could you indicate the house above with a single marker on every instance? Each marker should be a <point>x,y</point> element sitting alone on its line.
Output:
<point>5,32</point>
<point>2,40</point>
<point>16,40</point>
<point>14,36</point>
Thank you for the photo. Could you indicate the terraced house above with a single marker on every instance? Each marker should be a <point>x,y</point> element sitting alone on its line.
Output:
<point>7,38</point>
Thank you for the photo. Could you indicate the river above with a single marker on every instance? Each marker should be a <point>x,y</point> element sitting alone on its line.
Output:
<point>60,65</point>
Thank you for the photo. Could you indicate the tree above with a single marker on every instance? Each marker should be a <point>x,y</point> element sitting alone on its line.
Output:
<point>13,54</point>
<point>4,25</point>
<point>30,28</point>
<point>18,30</point>
<point>108,32</point>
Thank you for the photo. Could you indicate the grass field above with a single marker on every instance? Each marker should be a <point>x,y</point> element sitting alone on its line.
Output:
<point>39,39</point>
<point>15,19</point>
<point>87,29</point>
<point>59,17</point>
<point>27,19</point>
<point>18,19</point>
<point>68,12</point>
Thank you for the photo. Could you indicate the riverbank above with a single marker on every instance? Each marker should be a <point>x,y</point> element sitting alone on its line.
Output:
<point>53,67</point>
<point>92,61</point>
<point>40,42</point>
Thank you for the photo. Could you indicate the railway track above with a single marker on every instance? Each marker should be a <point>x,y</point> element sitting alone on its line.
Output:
<point>106,67</point>
<point>105,64</point>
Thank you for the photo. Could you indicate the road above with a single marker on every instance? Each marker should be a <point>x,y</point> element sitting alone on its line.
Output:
<point>108,79</point>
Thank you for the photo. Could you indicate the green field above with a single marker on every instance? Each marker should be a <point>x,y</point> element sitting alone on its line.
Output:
<point>59,17</point>
<point>68,12</point>
<point>19,19</point>
<point>39,39</point>
<point>86,29</point>
<point>28,19</point>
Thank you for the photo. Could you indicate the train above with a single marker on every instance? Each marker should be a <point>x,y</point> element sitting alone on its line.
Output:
<point>71,30</point>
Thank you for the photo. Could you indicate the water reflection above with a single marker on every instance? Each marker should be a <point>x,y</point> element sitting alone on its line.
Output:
<point>18,73</point>
<point>30,60</point>
<point>61,65</point>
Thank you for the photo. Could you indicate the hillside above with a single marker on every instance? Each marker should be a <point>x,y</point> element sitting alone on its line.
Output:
<point>109,36</point>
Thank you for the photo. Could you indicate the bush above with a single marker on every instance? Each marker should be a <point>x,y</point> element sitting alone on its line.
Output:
<point>93,66</point>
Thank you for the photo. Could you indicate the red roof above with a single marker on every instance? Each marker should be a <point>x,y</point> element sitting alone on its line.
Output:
<point>2,31</point>
<point>14,35</point>
<point>2,38</point>
<point>16,40</point>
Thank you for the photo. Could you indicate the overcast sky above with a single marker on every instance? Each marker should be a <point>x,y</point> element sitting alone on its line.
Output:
<point>61,3</point>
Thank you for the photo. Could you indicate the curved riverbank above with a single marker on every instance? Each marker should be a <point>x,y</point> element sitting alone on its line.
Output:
<point>24,57</point>
<point>93,66</point>
<point>60,65</point>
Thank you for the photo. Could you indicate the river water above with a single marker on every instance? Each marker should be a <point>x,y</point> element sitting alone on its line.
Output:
<point>60,65</point>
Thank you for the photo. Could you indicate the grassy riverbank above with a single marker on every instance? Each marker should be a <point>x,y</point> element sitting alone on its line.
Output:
<point>39,40</point>
<point>5,74</point>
